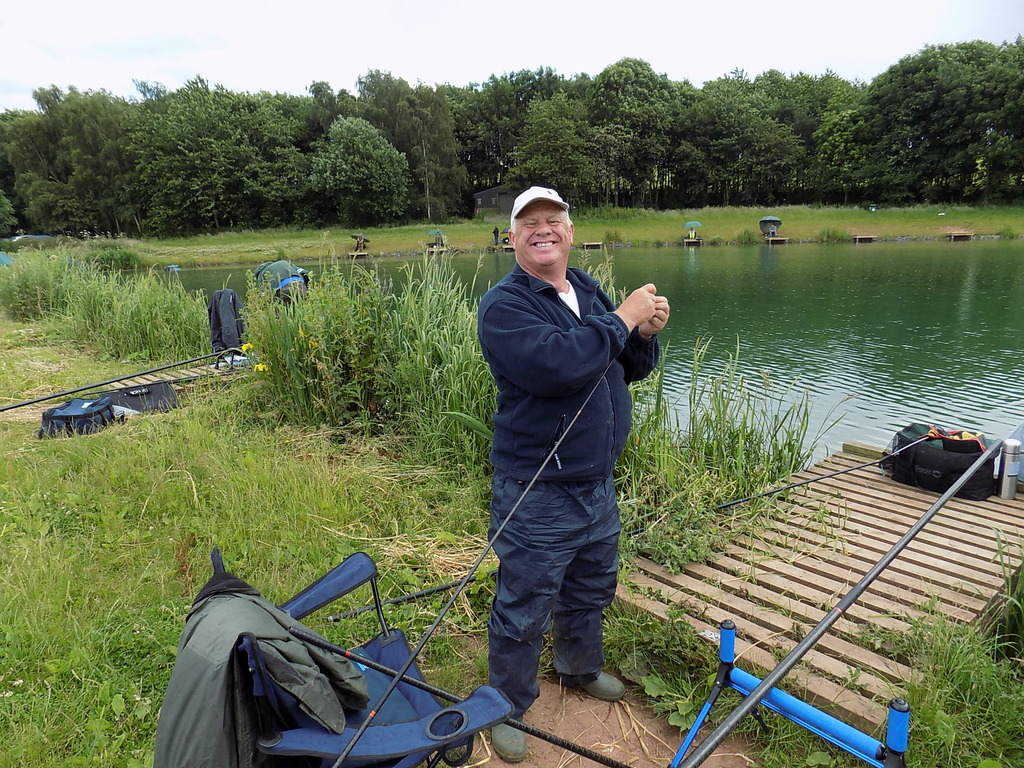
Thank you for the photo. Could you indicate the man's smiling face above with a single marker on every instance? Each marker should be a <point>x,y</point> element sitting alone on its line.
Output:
<point>542,239</point>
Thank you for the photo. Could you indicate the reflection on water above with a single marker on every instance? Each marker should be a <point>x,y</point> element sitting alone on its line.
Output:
<point>880,334</point>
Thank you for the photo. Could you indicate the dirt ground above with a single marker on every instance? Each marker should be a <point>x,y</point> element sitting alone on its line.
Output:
<point>625,731</point>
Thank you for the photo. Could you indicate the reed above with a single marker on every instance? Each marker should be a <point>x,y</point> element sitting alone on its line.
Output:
<point>740,440</point>
<point>34,286</point>
<point>1008,627</point>
<point>124,317</point>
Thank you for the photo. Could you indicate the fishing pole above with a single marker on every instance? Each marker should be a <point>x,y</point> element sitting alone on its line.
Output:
<point>403,598</point>
<point>551,738</point>
<point>704,750</point>
<point>65,393</point>
<point>452,584</point>
<point>815,479</point>
<point>469,575</point>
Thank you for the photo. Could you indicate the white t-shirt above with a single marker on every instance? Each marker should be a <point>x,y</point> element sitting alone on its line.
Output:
<point>570,299</point>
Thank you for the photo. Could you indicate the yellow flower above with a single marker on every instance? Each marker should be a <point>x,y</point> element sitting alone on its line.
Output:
<point>261,367</point>
<point>246,347</point>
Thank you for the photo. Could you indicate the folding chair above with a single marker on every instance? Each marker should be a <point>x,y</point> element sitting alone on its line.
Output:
<point>252,720</point>
<point>410,727</point>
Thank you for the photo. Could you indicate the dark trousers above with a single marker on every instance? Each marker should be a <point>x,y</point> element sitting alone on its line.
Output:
<point>226,327</point>
<point>558,564</point>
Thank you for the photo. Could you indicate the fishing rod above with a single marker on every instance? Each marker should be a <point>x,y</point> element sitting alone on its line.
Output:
<point>551,738</point>
<point>469,575</point>
<point>807,481</point>
<point>704,750</point>
<point>404,598</point>
<point>223,353</point>
<point>452,584</point>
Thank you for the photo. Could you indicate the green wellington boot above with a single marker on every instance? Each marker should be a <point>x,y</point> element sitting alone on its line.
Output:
<point>509,743</point>
<point>605,688</point>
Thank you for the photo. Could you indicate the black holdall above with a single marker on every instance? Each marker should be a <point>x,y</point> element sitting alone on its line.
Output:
<point>78,416</point>
<point>939,459</point>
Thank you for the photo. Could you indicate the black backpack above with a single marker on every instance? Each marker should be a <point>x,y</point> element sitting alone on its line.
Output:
<point>78,416</point>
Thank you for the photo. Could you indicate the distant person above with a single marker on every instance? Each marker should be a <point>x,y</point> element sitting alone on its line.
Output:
<point>495,232</point>
<point>286,280</point>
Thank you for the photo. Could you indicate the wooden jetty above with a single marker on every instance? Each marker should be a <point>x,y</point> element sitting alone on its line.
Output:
<point>691,242</point>
<point>775,240</point>
<point>591,246</point>
<point>778,583</point>
<point>959,234</point>
<point>864,238</point>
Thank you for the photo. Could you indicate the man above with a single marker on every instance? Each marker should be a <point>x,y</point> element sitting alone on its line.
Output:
<point>552,337</point>
<point>286,280</point>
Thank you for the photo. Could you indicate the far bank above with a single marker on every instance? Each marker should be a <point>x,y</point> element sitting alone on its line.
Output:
<point>611,227</point>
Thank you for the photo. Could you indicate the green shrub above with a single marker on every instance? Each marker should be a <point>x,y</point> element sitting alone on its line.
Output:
<point>834,235</point>
<point>749,237</point>
<point>111,257</point>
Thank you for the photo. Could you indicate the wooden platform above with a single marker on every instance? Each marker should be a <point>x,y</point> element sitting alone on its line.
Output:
<point>180,378</point>
<point>959,234</point>
<point>776,585</point>
<point>591,246</point>
<point>864,238</point>
<point>691,242</point>
<point>776,240</point>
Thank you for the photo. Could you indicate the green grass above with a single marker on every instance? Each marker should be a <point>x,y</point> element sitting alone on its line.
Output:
<point>339,447</point>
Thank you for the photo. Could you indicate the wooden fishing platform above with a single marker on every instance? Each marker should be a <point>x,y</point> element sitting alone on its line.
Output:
<point>592,246</point>
<point>864,238</point>
<point>959,234</point>
<point>692,242</point>
<point>778,583</point>
<point>775,240</point>
<point>179,378</point>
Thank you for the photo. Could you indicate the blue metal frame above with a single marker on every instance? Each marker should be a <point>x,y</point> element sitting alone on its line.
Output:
<point>871,751</point>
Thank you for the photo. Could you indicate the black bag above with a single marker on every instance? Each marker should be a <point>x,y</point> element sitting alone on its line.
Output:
<point>77,416</point>
<point>938,461</point>
<point>143,398</point>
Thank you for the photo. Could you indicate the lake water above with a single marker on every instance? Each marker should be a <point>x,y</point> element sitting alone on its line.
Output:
<point>881,334</point>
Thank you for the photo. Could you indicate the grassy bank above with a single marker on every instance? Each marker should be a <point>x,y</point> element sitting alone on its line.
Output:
<point>333,447</point>
<point>614,227</point>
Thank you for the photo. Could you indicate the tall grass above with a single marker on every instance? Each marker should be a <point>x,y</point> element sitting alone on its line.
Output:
<point>122,317</point>
<point>35,285</point>
<point>1008,627</point>
<point>356,352</point>
<point>741,439</point>
<point>320,359</point>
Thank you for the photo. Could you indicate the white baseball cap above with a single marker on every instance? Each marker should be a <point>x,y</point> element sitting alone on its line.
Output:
<point>533,195</point>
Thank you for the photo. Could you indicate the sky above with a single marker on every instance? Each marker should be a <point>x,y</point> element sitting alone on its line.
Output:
<point>279,47</point>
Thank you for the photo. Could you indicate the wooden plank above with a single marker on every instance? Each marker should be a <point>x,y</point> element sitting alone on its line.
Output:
<point>880,596</point>
<point>779,593</point>
<point>957,550</point>
<point>782,624</point>
<point>909,562</point>
<point>912,589</point>
<point>843,703</point>
<point>817,590</point>
<point>976,524</point>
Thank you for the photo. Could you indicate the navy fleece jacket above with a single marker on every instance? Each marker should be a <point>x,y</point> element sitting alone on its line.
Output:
<point>545,362</point>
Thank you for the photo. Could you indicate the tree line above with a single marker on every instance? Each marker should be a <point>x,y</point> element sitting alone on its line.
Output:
<point>943,125</point>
